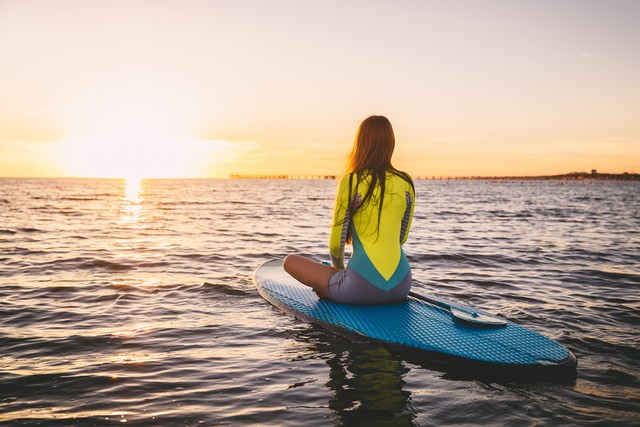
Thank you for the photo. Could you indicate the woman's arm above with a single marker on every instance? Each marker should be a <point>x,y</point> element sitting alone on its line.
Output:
<point>340,225</point>
<point>408,215</point>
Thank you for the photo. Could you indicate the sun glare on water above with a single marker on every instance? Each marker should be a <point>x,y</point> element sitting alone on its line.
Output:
<point>132,137</point>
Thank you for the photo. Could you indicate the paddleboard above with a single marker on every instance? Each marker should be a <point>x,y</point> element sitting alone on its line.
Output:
<point>425,327</point>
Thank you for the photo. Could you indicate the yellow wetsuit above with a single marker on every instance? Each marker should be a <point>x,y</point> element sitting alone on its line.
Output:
<point>377,241</point>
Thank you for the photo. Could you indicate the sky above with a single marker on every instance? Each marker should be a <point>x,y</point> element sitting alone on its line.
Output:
<point>187,88</point>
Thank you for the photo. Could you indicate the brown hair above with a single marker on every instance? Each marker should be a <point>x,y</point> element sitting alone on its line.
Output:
<point>373,145</point>
<point>371,159</point>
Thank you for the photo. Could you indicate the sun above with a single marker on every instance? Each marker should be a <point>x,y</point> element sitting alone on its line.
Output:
<point>130,135</point>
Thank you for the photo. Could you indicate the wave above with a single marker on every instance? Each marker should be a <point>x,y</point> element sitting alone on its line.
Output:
<point>56,210</point>
<point>23,251</point>
<point>81,263</point>
<point>510,214</point>
<point>20,230</point>
<point>55,347</point>
<point>87,263</point>
<point>224,289</point>
<point>89,197</point>
<point>604,278</point>
<point>29,230</point>
<point>484,260</point>
<point>201,257</point>
<point>184,203</point>
<point>80,198</point>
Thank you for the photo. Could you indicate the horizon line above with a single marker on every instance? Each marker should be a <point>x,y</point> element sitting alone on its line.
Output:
<point>592,174</point>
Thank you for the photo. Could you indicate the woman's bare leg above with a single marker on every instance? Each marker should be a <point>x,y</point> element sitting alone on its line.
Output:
<point>311,273</point>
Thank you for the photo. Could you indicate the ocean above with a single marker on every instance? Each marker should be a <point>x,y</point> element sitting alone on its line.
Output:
<point>132,302</point>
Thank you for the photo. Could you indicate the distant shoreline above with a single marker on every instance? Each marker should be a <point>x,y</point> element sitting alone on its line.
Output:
<point>573,176</point>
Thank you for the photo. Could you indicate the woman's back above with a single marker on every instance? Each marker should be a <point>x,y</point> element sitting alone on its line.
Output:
<point>377,234</point>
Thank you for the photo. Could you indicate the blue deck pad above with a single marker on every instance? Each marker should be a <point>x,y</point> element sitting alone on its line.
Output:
<point>413,323</point>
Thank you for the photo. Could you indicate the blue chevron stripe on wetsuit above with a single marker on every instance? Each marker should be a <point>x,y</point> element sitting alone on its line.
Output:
<point>378,271</point>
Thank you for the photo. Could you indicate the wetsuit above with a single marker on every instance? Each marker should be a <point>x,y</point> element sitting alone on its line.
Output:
<point>378,271</point>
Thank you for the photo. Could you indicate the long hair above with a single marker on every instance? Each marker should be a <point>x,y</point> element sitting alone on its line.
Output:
<point>373,146</point>
<point>370,160</point>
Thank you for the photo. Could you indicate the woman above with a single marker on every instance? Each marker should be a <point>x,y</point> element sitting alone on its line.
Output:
<point>373,210</point>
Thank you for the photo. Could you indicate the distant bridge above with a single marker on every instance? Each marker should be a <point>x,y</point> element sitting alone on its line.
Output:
<point>566,177</point>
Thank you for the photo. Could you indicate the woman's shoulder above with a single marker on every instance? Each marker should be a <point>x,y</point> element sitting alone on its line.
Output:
<point>355,177</point>
<point>401,182</point>
<point>400,176</point>
<point>343,181</point>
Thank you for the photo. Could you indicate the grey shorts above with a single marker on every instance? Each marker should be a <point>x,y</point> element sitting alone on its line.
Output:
<point>348,287</point>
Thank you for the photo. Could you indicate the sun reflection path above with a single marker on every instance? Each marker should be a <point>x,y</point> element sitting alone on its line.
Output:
<point>133,189</point>
<point>133,198</point>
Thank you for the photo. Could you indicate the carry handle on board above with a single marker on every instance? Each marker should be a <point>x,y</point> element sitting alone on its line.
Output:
<point>468,316</point>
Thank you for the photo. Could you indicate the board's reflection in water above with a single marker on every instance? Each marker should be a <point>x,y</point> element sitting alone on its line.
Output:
<point>368,387</point>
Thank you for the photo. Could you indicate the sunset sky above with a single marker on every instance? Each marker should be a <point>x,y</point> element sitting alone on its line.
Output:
<point>208,88</point>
